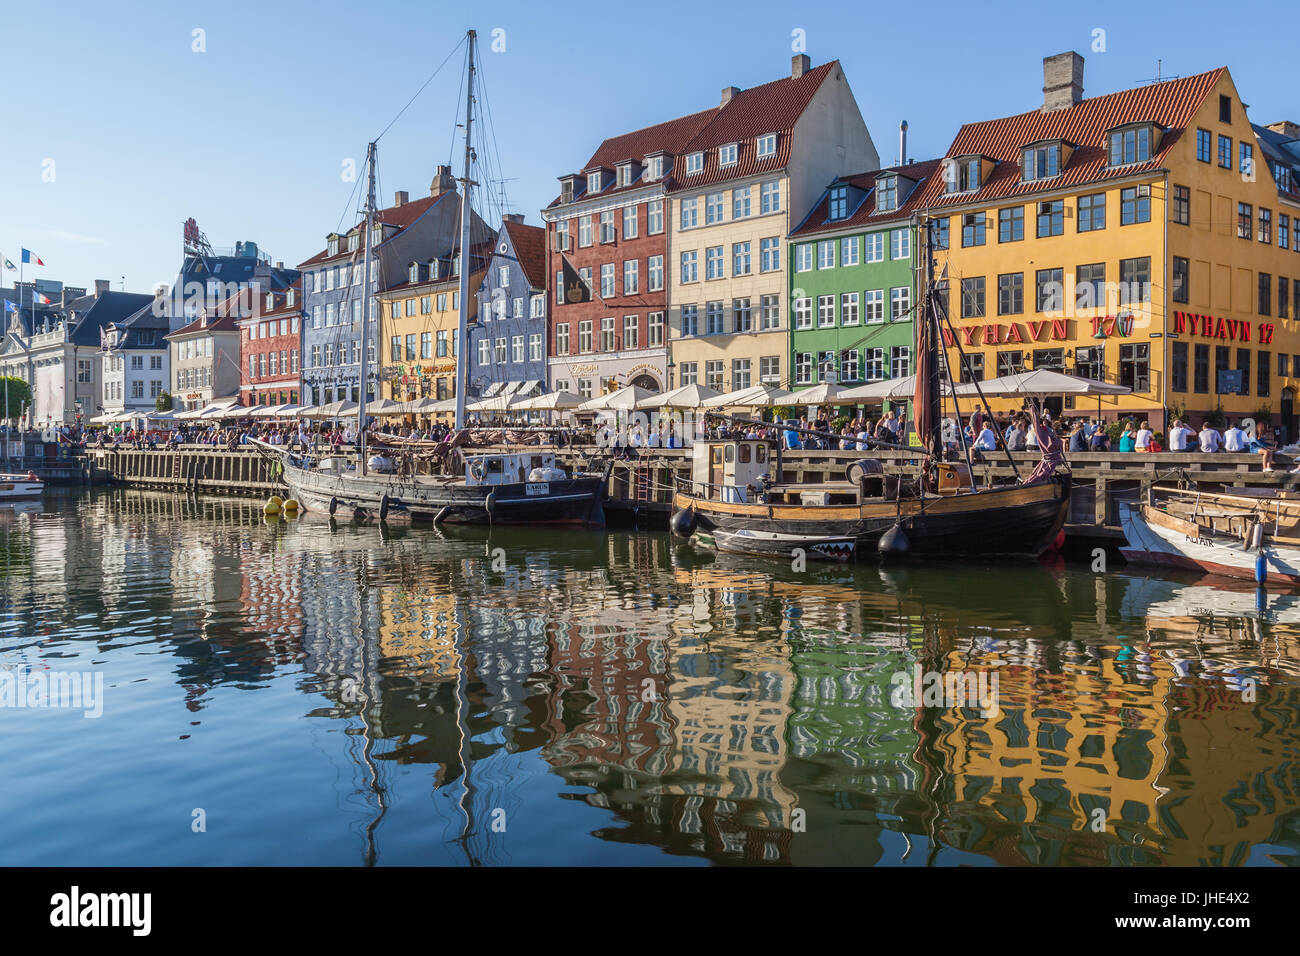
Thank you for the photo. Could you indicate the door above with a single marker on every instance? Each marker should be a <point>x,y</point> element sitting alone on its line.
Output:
<point>716,474</point>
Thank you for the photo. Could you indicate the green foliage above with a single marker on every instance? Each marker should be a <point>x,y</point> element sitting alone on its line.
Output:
<point>19,396</point>
<point>1262,415</point>
<point>1113,431</point>
<point>1217,419</point>
<point>164,403</point>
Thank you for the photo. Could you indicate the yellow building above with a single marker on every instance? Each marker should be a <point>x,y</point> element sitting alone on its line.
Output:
<point>1100,237</point>
<point>418,329</point>
<point>738,188</point>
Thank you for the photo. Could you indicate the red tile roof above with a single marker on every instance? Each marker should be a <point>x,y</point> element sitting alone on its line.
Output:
<point>225,323</point>
<point>865,214</point>
<point>530,250</point>
<point>1171,105</point>
<point>399,216</point>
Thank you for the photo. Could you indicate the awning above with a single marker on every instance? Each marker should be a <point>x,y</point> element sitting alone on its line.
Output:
<point>1042,381</point>
<point>492,389</point>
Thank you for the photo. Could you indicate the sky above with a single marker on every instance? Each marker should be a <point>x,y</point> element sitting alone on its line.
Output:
<point>119,124</point>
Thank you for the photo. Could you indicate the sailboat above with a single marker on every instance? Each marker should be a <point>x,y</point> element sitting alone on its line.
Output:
<point>519,486</point>
<point>733,504</point>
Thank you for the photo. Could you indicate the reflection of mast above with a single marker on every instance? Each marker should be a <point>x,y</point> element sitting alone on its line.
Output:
<point>367,750</point>
<point>466,801</point>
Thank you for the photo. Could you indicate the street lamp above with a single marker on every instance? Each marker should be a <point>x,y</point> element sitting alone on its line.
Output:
<point>671,365</point>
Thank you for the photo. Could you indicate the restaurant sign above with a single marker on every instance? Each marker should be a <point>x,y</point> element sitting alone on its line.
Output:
<point>997,333</point>
<point>1216,327</point>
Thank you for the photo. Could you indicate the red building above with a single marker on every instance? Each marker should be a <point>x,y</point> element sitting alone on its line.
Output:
<point>607,245</point>
<point>269,349</point>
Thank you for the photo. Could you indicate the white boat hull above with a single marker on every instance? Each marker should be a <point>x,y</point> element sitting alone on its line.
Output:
<point>1151,544</point>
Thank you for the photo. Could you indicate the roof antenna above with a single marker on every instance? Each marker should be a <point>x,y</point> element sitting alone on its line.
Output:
<point>1158,78</point>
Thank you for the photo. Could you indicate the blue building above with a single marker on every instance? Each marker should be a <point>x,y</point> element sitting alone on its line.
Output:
<point>407,231</point>
<point>507,342</point>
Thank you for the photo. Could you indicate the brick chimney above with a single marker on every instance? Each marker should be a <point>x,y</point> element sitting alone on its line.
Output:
<point>728,94</point>
<point>401,198</point>
<point>442,182</point>
<point>799,65</point>
<point>1062,81</point>
<point>1286,128</point>
<point>101,286</point>
<point>516,217</point>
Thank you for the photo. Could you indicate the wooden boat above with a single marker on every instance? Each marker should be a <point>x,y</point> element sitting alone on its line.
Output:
<point>1248,535</point>
<point>25,487</point>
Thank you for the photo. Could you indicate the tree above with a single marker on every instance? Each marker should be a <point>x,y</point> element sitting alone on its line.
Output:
<point>19,396</point>
<point>164,403</point>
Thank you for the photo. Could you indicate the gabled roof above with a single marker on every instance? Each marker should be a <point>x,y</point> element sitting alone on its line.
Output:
<point>223,323</point>
<point>397,216</point>
<point>1170,105</point>
<point>865,215</point>
<point>771,108</point>
<point>480,254</point>
<point>1281,149</point>
<point>102,310</point>
<point>144,319</point>
<point>530,249</point>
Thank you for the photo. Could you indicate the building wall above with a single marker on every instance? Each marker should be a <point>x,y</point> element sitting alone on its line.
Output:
<point>213,372</point>
<point>283,335</point>
<point>422,374</point>
<point>506,311</point>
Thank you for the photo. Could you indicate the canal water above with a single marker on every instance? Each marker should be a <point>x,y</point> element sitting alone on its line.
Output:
<point>272,692</point>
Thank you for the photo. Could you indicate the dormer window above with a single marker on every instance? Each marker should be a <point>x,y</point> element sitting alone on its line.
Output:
<point>566,189</point>
<point>270,301</point>
<point>766,145</point>
<point>376,236</point>
<point>625,174</point>
<point>727,154</point>
<point>353,241</point>
<point>333,245</point>
<point>963,174</point>
<point>593,182</point>
<point>289,297</point>
<point>413,272</point>
<point>838,206</point>
<point>435,269</point>
<point>694,163</point>
<point>1040,161</point>
<point>1132,144</point>
<point>886,194</point>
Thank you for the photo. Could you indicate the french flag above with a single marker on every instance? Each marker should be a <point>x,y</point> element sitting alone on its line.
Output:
<point>29,256</point>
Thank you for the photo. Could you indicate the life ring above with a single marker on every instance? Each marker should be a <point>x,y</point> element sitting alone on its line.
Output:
<point>476,471</point>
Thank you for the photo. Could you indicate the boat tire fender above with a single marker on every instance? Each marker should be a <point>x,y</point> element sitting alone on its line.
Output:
<point>334,506</point>
<point>683,522</point>
<point>383,507</point>
<point>893,543</point>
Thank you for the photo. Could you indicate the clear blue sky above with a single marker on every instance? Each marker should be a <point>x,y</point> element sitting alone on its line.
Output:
<point>249,136</point>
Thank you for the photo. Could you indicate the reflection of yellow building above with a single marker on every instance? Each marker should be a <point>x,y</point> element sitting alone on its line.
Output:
<point>1138,237</point>
<point>421,630</point>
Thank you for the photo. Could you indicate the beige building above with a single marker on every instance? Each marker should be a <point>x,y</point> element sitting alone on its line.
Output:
<point>205,359</point>
<point>768,153</point>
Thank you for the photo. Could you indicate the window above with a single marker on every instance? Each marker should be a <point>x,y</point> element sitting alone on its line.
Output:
<point>584,230</point>
<point>873,364</point>
<point>593,182</point>
<point>1203,145</point>
<point>689,372</point>
<point>766,145</point>
<point>631,277</point>
<point>1011,362</point>
<point>690,266</point>
<point>631,332</point>
<point>714,267</point>
<point>886,195</point>
<point>769,197</point>
<point>629,222</point>
<point>900,244</point>
<point>972,298</point>
<point>825,311</point>
<point>714,321</point>
<point>1283,230</point>
<point>1049,285</point>
<point>694,162</point>
<point>803,257</point>
<point>1245,220</point>
<point>607,280</point>
<point>655,268</point>
<point>1011,293</point>
<point>769,370</point>
<point>655,167</point>
<point>740,205</point>
<point>803,313</point>
<point>849,251</point>
<point>839,202</point>
<point>1180,284</point>
<point>874,245</point>
<point>1247,161</point>
<point>1011,224</point>
<point>1264,366</point>
<point>395,348</point>
<point>826,366</point>
<point>972,369</point>
<point>939,232</point>
<point>972,229</point>
<point>537,307</point>
<point>963,175</point>
<point>742,316</point>
<point>426,345</point>
<point>1201,369</point>
<point>607,343</point>
<point>1091,362</point>
<point>713,208</point>
<point>900,361</point>
<point>1130,146</point>
<point>1243,366</point>
<point>769,259</point>
<point>874,301</point>
<point>690,321</point>
<point>625,174</point>
<point>1283,295</point>
<point>442,343</point>
<point>516,348</point>
<point>1040,162</point>
<point>1225,151</point>
<point>607,234</point>
<point>803,362</point>
<point>1049,358</point>
<point>1051,218</point>
<point>654,217</point>
<point>1265,225</point>
<point>1134,280</point>
<point>740,262</point>
<point>689,213</point>
<point>656,329</point>
<point>410,347</point>
<point>740,374</point>
<point>584,335</point>
<point>562,339</point>
<point>1265,294</point>
<point>849,365</point>
<point>1283,364</point>
<point>1182,212</point>
<point>769,312</point>
<point>849,308</point>
<point>900,303</point>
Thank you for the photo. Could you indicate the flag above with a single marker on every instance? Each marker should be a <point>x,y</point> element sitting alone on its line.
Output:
<point>10,307</point>
<point>10,266</point>
<point>29,256</point>
<point>40,298</point>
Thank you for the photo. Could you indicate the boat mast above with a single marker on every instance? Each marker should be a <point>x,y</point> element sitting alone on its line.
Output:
<point>462,331</point>
<point>367,301</point>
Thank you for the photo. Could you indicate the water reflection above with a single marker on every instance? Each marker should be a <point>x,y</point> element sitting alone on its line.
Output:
<point>488,698</point>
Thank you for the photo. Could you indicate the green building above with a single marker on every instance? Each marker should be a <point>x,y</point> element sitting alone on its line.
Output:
<point>854,279</point>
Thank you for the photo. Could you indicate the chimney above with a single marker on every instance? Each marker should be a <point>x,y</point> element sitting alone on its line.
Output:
<point>516,217</point>
<point>729,93</point>
<point>279,265</point>
<point>442,182</point>
<point>401,198</point>
<point>101,286</point>
<point>1286,128</point>
<point>799,65</point>
<point>1062,81</point>
<point>902,143</point>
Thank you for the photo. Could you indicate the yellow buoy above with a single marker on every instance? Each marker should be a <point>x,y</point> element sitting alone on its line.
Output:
<point>272,507</point>
<point>291,506</point>
<point>277,500</point>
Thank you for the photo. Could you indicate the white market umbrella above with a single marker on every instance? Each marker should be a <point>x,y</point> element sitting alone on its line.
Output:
<point>497,403</point>
<point>295,411</point>
<point>550,402</point>
<point>625,399</point>
<point>827,393</point>
<point>686,396</point>
<point>268,411</point>
<point>893,389</point>
<point>1042,381</point>
<point>333,410</point>
<point>756,396</point>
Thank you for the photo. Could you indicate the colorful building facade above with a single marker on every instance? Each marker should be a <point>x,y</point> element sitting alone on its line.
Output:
<point>507,341</point>
<point>269,356</point>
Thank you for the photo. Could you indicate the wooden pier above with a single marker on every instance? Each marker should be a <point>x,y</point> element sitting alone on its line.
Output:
<point>640,489</point>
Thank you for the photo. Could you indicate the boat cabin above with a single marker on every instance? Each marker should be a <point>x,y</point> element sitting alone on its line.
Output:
<point>730,470</point>
<point>509,468</point>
